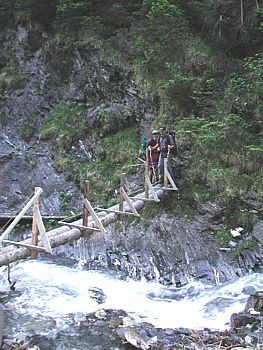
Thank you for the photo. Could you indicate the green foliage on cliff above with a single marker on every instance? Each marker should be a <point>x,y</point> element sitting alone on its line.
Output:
<point>158,51</point>
<point>10,77</point>
<point>233,26</point>
<point>26,131</point>
<point>27,11</point>
<point>114,154</point>
<point>197,63</point>
<point>64,125</point>
<point>6,12</point>
<point>227,157</point>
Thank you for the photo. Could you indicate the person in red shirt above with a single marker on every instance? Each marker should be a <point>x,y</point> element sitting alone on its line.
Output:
<point>153,155</point>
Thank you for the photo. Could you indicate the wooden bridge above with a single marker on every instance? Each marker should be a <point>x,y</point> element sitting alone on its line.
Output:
<point>92,219</point>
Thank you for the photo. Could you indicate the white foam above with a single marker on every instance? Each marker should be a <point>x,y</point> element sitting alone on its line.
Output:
<point>51,290</point>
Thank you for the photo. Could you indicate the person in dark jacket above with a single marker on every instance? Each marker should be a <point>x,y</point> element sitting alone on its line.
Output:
<point>166,144</point>
<point>153,155</point>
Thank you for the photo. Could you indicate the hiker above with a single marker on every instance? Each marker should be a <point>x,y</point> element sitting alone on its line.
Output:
<point>143,147</point>
<point>168,149</point>
<point>153,155</point>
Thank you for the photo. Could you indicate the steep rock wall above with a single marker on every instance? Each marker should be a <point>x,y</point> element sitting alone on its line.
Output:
<point>52,72</point>
<point>167,248</point>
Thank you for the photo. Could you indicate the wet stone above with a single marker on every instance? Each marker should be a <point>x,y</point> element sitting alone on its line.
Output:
<point>115,322</point>
<point>169,331</point>
<point>242,319</point>
<point>249,290</point>
<point>255,302</point>
<point>97,294</point>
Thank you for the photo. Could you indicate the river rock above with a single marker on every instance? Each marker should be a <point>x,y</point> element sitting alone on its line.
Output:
<point>255,303</point>
<point>242,319</point>
<point>257,232</point>
<point>141,335</point>
<point>97,294</point>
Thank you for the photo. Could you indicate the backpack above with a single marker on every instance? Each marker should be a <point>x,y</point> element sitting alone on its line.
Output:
<point>143,145</point>
<point>174,149</point>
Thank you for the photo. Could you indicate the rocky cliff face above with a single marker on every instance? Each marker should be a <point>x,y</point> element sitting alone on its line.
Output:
<point>170,248</point>
<point>167,247</point>
<point>47,73</point>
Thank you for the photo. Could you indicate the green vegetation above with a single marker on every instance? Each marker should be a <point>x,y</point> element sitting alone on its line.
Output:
<point>227,148</point>
<point>65,199</point>
<point>158,65</point>
<point>26,131</point>
<point>239,214</point>
<point>73,16</point>
<point>225,156</point>
<point>241,246</point>
<point>10,77</point>
<point>113,155</point>
<point>6,12</point>
<point>198,64</point>
<point>64,125</point>
<point>51,224</point>
<point>27,11</point>
<point>224,237</point>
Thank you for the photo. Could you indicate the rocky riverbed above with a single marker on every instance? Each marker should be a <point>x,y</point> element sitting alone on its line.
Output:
<point>111,329</point>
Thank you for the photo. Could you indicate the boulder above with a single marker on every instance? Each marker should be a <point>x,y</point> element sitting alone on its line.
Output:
<point>97,294</point>
<point>255,303</point>
<point>257,232</point>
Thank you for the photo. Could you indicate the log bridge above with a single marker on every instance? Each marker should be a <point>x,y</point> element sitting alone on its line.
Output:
<point>92,220</point>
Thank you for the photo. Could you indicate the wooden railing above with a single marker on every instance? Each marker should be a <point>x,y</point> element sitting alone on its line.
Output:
<point>92,220</point>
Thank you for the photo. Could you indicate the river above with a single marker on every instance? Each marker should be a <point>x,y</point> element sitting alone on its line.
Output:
<point>55,291</point>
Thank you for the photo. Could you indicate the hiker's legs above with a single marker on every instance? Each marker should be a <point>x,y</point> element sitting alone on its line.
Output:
<point>160,167</point>
<point>155,177</point>
<point>151,173</point>
<point>153,170</point>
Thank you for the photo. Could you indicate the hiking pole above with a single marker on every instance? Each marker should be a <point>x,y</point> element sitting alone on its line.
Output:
<point>143,161</point>
<point>152,166</point>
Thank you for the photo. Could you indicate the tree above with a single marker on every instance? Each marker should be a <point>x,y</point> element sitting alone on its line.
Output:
<point>39,11</point>
<point>231,25</point>
<point>6,12</point>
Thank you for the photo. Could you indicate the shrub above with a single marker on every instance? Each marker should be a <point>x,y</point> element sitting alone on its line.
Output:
<point>65,124</point>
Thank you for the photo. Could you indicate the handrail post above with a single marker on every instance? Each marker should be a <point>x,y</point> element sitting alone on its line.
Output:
<point>85,209</point>
<point>146,188</point>
<point>122,183</point>
<point>36,205</point>
<point>165,166</point>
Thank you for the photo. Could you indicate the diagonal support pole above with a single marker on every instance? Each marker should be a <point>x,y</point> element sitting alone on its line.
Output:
<point>150,187</point>
<point>170,179</point>
<point>19,216</point>
<point>42,230</point>
<point>127,199</point>
<point>146,187</point>
<point>94,215</point>
<point>35,231</point>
